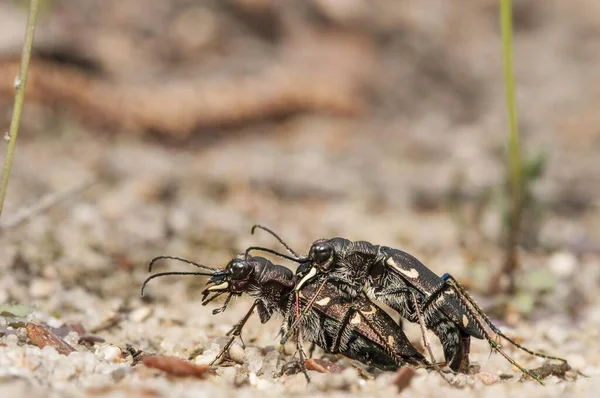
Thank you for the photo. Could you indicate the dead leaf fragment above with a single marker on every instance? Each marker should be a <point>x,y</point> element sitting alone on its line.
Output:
<point>550,369</point>
<point>176,366</point>
<point>42,337</point>
<point>90,338</point>
<point>323,366</point>
<point>403,378</point>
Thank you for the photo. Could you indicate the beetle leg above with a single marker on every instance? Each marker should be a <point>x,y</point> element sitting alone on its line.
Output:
<point>425,339</point>
<point>482,317</point>
<point>294,326</point>
<point>302,356</point>
<point>236,331</point>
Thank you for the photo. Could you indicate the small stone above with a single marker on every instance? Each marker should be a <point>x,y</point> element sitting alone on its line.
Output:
<point>227,374</point>
<point>72,338</point>
<point>563,264</point>
<point>140,314</point>
<point>206,359</point>
<point>110,353</point>
<point>11,340</point>
<point>42,288</point>
<point>237,353</point>
<point>255,364</point>
<point>209,355</point>
<point>488,378</point>
<point>259,383</point>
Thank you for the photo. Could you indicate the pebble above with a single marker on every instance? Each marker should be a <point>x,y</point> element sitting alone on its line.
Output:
<point>260,384</point>
<point>110,353</point>
<point>209,355</point>
<point>140,314</point>
<point>227,374</point>
<point>72,338</point>
<point>254,358</point>
<point>42,288</point>
<point>488,378</point>
<point>206,359</point>
<point>563,263</point>
<point>237,353</point>
<point>255,364</point>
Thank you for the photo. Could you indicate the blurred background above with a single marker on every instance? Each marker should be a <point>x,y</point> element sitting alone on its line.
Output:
<point>173,127</point>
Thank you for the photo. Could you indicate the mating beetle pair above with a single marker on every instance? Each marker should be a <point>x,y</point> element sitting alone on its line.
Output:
<point>342,269</point>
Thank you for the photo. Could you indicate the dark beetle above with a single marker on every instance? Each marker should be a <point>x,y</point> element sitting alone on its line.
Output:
<point>402,282</point>
<point>358,330</point>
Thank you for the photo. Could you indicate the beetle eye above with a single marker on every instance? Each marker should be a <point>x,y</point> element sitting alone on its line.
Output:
<point>321,253</point>
<point>239,269</point>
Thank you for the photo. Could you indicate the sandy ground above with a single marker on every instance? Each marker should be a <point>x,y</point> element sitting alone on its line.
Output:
<point>420,168</point>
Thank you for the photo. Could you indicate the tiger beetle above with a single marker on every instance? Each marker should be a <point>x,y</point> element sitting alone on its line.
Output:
<point>359,330</point>
<point>402,282</point>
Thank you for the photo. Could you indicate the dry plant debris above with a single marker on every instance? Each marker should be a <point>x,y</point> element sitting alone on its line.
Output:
<point>288,85</point>
<point>177,367</point>
<point>550,369</point>
<point>42,337</point>
<point>323,366</point>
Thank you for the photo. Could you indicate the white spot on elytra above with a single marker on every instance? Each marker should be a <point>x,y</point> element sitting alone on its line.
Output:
<point>411,273</point>
<point>356,319</point>
<point>391,340</point>
<point>323,301</point>
<point>465,320</point>
<point>371,311</point>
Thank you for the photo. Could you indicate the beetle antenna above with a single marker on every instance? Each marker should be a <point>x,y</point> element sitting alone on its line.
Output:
<point>148,279</point>
<point>276,236</point>
<point>183,260</point>
<point>298,260</point>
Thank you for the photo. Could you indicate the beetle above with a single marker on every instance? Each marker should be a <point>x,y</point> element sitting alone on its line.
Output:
<point>402,282</point>
<point>357,329</point>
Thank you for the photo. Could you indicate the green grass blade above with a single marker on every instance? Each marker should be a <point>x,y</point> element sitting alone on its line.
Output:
<point>19,99</point>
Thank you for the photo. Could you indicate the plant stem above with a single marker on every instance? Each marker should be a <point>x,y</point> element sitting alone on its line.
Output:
<point>19,98</point>
<point>515,178</point>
